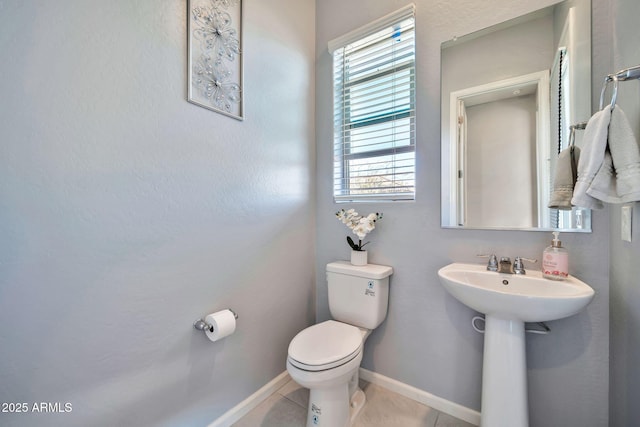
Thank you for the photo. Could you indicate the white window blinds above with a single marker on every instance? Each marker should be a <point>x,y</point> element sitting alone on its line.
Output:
<point>374,110</point>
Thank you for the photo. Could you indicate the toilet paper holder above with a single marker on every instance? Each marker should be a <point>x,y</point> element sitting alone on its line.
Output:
<point>201,325</point>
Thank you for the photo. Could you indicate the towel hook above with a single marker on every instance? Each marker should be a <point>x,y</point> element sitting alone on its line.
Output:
<point>572,134</point>
<point>604,89</point>
<point>614,96</point>
<point>631,73</point>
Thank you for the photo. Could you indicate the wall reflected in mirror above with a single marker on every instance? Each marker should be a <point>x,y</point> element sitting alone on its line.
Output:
<point>510,94</point>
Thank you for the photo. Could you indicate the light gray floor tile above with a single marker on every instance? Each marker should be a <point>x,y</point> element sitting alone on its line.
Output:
<point>276,411</point>
<point>296,393</point>
<point>389,409</point>
<point>446,420</point>
<point>288,408</point>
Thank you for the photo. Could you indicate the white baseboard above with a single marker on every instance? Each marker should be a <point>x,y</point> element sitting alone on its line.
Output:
<point>234,414</point>
<point>439,404</point>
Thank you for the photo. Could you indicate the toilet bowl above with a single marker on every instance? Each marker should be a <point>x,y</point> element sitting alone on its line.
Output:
<point>325,358</point>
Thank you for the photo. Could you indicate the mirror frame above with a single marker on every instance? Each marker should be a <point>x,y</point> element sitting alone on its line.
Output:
<point>450,207</point>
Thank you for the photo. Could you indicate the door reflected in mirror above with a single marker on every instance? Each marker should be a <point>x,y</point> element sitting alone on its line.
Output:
<point>510,94</point>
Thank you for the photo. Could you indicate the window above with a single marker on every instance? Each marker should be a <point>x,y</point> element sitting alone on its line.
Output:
<point>374,110</point>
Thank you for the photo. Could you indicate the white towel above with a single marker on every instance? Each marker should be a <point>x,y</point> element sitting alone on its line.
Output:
<point>564,179</point>
<point>591,158</point>
<point>618,180</point>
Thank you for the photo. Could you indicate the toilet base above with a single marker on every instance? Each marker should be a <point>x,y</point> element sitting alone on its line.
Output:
<point>335,398</point>
<point>358,400</point>
<point>331,407</point>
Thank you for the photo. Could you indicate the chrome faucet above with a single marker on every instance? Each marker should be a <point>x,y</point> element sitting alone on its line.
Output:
<point>505,266</point>
<point>492,265</point>
<point>518,265</point>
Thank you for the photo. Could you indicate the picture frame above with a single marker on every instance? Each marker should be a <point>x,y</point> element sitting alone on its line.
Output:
<point>215,70</point>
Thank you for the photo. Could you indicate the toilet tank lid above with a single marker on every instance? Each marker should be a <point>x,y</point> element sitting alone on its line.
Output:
<point>369,271</point>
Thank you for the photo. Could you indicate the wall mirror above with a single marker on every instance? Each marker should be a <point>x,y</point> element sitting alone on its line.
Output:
<point>510,95</point>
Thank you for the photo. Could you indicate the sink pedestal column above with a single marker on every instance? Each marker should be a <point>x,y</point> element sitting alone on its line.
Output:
<point>504,374</point>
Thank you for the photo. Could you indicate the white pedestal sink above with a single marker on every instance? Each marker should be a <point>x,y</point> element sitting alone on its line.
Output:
<point>508,301</point>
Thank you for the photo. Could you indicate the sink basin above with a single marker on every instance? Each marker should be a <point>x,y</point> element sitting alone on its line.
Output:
<point>529,298</point>
<point>508,301</point>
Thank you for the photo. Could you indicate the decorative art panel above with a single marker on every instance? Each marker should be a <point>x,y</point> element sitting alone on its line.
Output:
<point>215,55</point>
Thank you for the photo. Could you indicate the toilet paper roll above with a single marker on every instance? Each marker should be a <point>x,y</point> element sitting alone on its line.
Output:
<point>223,322</point>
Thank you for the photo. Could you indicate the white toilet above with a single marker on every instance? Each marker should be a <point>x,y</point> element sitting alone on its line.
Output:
<point>325,358</point>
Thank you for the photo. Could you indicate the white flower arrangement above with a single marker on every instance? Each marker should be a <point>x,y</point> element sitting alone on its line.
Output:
<point>360,225</point>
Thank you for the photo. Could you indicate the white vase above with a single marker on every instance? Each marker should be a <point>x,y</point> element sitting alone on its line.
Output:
<point>359,257</point>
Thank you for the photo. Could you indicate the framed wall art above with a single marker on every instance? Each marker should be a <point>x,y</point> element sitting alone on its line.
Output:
<point>215,55</point>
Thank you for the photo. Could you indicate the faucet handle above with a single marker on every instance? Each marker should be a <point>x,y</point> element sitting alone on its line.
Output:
<point>518,264</point>
<point>492,265</point>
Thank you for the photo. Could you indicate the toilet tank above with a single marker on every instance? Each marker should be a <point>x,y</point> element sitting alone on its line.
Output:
<point>358,294</point>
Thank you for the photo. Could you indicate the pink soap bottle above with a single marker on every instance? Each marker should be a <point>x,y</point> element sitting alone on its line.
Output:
<point>555,260</point>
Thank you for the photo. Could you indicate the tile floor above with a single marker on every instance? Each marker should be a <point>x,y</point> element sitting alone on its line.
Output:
<point>288,408</point>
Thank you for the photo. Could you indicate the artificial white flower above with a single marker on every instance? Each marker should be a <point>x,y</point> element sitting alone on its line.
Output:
<point>361,226</point>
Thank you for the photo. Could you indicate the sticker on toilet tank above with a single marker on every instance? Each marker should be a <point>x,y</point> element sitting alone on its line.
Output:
<point>369,291</point>
<point>316,414</point>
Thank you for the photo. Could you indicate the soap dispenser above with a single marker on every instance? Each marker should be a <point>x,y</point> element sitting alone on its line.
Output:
<point>555,260</point>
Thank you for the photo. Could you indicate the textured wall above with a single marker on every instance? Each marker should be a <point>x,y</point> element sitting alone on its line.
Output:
<point>427,340</point>
<point>126,213</point>
<point>625,271</point>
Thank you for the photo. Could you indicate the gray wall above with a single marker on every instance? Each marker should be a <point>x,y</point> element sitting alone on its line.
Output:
<point>426,340</point>
<point>126,213</point>
<point>625,269</point>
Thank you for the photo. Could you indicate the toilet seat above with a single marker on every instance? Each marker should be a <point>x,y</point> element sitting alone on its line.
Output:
<point>325,345</point>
